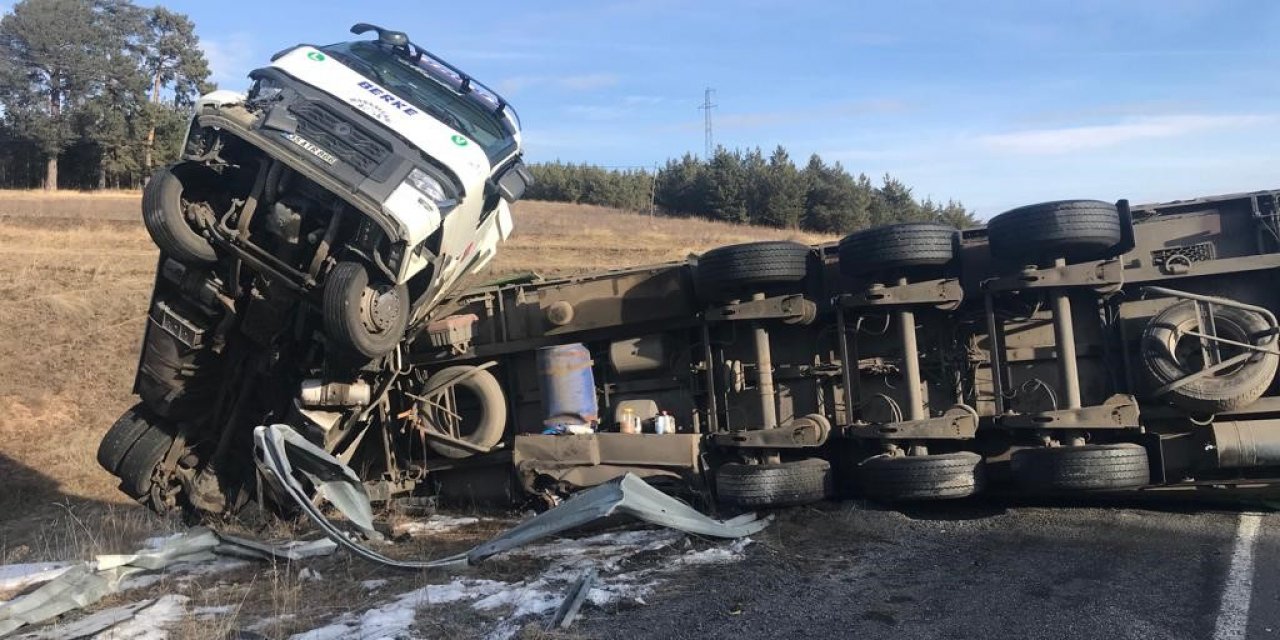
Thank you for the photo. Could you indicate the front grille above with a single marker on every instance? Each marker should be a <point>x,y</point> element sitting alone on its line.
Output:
<point>340,136</point>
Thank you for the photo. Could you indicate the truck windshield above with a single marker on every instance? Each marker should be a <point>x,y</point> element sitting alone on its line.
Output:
<point>413,81</point>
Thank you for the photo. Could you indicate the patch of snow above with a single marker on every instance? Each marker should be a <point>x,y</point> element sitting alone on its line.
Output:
<point>393,619</point>
<point>189,570</point>
<point>209,612</point>
<point>733,552</point>
<point>150,622</point>
<point>142,581</point>
<point>610,554</point>
<point>155,542</point>
<point>433,524</point>
<point>16,577</point>
<point>267,623</point>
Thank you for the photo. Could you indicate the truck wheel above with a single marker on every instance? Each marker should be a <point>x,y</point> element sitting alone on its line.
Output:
<point>929,477</point>
<point>1094,467</point>
<point>1073,229</point>
<point>912,244</point>
<point>774,485</point>
<point>165,215</point>
<point>121,437</point>
<point>138,466</point>
<point>363,317</point>
<point>477,416</point>
<point>1169,354</point>
<point>731,269</point>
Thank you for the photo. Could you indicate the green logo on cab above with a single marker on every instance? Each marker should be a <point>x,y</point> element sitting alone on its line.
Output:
<point>317,56</point>
<point>459,140</point>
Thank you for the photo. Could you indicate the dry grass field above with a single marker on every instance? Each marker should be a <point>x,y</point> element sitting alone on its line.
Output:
<point>75,276</point>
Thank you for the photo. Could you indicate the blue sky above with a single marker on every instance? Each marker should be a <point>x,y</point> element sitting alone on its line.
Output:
<point>996,103</point>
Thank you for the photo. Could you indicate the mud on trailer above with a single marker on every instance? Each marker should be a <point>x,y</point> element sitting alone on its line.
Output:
<point>1071,346</point>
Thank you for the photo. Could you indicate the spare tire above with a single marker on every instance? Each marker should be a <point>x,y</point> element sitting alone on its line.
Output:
<point>930,477</point>
<point>774,485</point>
<point>164,214</point>
<point>731,269</point>
<point>1037,234</point>
<point>899,246</point>
<point>1094,467</point>
<point>364,317</point>
<point>1168,354</point>
<point>479,419</point>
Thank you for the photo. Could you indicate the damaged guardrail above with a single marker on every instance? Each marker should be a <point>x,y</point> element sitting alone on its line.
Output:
<point>84,584</point>
<point>283,455</point>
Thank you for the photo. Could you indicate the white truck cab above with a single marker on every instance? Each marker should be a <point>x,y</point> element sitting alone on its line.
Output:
<point>429,157</point>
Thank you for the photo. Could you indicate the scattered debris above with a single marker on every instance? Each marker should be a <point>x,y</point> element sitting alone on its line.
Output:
<point>337,483</point>
<point>77,586</point>
<point>292,550</point>
<point>149,622</point>
<point>576,564</point>
<point>433,525</point>
<point>568,610</point>
<point>88,582</point>
<point>624,568</point>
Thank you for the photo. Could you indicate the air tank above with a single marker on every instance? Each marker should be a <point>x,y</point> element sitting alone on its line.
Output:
<point>568,386</point>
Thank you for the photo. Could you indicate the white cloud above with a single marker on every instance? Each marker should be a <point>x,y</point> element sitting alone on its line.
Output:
<point>1071,139</point>
<point>230,58</point>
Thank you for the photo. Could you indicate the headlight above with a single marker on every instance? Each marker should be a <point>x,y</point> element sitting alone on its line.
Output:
<point>429,187</point>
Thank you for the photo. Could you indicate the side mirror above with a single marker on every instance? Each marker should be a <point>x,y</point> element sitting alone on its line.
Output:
<point>514,181</point>
<point>385,36</point>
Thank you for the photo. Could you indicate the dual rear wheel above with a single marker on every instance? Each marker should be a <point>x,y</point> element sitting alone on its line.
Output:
<point>133,451</point>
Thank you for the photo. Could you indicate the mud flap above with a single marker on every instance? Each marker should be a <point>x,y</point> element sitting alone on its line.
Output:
<point>281,452</point>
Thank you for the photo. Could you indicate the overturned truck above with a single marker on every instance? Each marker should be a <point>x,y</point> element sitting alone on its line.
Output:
<point>315,233</point>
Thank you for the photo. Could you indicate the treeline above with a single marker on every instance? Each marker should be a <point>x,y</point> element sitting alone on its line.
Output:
<point>745,187</point>
<point>94,93</point>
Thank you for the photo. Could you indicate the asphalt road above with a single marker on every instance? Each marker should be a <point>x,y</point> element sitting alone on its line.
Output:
<point>1147,570</point>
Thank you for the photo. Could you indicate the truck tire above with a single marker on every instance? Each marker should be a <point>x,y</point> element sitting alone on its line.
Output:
<point>164,214</point>
<point>137,467</point>
<point>365,318</point>
<point>1094,467</point>
<point>774,485</point>
<point>898,246</point>
<point>1168,355</point>
<point>121,437</point>
<point>1072,229</point>
<point>731,269</point>
<point>486,415</point>
<point>931,477</point>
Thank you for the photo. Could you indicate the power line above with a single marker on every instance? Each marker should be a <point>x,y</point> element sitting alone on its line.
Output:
<point>706,108</point>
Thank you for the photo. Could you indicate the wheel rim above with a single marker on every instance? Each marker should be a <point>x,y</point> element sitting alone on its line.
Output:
<point>1186,352</point>
<point>380,308</point>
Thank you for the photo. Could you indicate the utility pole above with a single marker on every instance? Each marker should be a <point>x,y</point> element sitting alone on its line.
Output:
<point>706,108</point>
